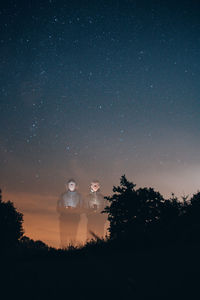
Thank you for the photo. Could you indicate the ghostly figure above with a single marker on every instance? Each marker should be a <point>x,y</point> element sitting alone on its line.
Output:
<point>95,204</point>
<point>69,208</point>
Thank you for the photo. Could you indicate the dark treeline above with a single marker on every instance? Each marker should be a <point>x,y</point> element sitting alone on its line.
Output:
<point>152,252</point>
<point>139,218</point>
<point>143,218</point>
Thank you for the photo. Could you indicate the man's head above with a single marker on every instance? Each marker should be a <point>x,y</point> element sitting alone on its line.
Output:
<point>95,186</point>
<point>71,185</point>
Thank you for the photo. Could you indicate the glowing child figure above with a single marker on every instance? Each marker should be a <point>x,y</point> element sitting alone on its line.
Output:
<point>95,204</point>
<point>69,207</point>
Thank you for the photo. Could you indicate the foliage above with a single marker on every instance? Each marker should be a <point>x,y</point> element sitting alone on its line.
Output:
<point>133,211</point>
<point>11,220</point>
<point>137,217</point>
<point>191,220</point>
<point>27,243</point>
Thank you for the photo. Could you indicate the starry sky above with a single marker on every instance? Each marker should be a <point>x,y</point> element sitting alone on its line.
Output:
<point>93,90</point>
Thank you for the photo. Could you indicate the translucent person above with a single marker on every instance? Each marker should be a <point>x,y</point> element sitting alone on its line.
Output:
<point>95,204</point>
<point>69,208</point>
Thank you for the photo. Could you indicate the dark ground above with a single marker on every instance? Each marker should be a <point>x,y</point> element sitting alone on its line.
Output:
<point>171,273</point>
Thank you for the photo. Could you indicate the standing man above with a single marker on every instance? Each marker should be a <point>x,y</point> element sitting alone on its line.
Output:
<point>95,204</point>
<point>69,208</point>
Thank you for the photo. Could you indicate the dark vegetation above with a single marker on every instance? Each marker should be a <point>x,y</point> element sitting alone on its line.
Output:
<point>143,218</point>
<point>152,252</point>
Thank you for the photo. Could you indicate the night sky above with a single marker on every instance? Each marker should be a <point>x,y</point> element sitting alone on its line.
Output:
<point>93,90</point>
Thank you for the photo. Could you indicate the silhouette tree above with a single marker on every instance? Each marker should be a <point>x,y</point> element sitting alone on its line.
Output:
<point>11,220</point>
<point>30,247</point>
<point>133,213</point>
<point>170,220</point>
<point>194,208</point>
<point>144,217</point>
<point>28,243</point>
<point>191,220</point>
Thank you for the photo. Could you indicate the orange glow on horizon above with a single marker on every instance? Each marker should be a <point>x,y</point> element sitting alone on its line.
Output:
<point>41,218</point>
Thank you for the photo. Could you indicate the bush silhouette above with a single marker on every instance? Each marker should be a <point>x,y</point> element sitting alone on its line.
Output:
<point>143,217</point>
<point>191,220</point>
<point>133,212</point>
<point>27,243</point>
<point>11,220</point>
